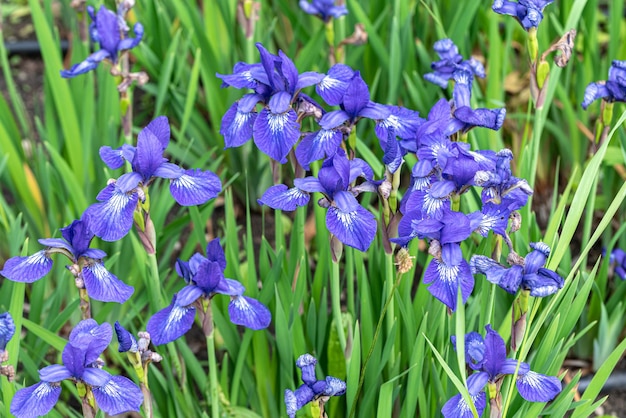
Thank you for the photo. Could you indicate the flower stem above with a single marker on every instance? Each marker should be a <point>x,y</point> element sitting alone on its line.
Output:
<point>154,284</point>
<point>85,306</point>
<point>147,398</point>
<point>389,277</point>
<point>335,294</point>
<point>213,385</point>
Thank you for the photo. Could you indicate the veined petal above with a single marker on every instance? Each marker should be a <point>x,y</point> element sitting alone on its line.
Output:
<point>316,145</point>
<point>544,283</point>
<point>210,277</point>
<point>195,187</point>
<point>495,353</point>
<point>332,120</point>
<point>446,281</point>
<point>309,184</point>
<point>129,181</point>
<point>351,223</point>
<point>36,400</point>
<point>103,285</point>
<point>113,219</point>
<point>237,126</point>
<point>456,407</point>
<point>537,387</point>
<point>510,365</point>
<point>357,96</point>
<point>96,377</point>
<point>593,92</point>
<point>276,133</point>
<point>90,63</point>
<point>249,312</point>
<point>505,7</point>
<point>188,295</point>
<point>280,197</point>
<point>215,252</point>
<point>234,288</point>
<point>119,395</point>
<point>168,171</point>
<point>333,86</point>
<point>160,128</point>
<point>74,359</point>
<point>149,155</point>
<point>27,269</point>
<point>108,30</point>
<point>127,341</point>
<point>487,118</point>
<point>170,323</point>
<point>115,158</point>
<point>54,373</point>
<point>7,329</point>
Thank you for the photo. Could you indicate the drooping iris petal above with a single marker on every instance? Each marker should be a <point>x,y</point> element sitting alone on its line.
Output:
<point>280,197</point>
<point>90,63</point>
<point>351,223</point>
<point>317,145</point>
<point>544,283</point>
<point>126,340</point>
<point>333,86</point>
<point>536,387</point>
<point>103,285</point>
<point>238,123</point>
<point>249,312</point>
<point>27,269</point>
<point>195,187</point>
<point>34,401</point>
<point>593,92</point>
<point>334,386</point>
<point>118,395</point>
<point>445,281</point>
<point>7,329</point>
<point>170,323</point>
<point>234,288</point>
<point>456,407</point>
<point>112,219</point>
<point>276,133</point>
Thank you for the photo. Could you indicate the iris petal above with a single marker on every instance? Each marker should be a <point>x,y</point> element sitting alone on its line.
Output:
<point>27,269</point>
<point>280,197</point>
<point>170,323</point>
<point>195,187</point>
<point>36,400</point>
<point>103,285</point>
<point>118,395</point>
<point>249,312</point>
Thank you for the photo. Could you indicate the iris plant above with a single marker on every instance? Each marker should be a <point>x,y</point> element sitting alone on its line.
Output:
<point>86,263</point>
<point>487,356</point>
<point>82,365</point>
<point>611,90</point>
<point>120,198</point>
<point>111,32</point>
<point>312,389</point>
<point>325,9</point>
<point>205,278</point>
<point>529,13</point>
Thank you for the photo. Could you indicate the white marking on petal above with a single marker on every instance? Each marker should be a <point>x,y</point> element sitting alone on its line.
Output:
<point>185,181</point>
<point>432,205</point>
<point>277,122</point>
<point>391,122</point>
<point>239,121</point>
<point>449,274</point>
<point>347,219</point>
<point>176,314</point>
<point>328,83</point>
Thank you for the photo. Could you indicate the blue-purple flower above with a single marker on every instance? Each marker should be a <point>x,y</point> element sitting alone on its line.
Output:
<point>450,61</point>
<point>7,329</point>
<point>611,90</point>
<point>529,13</point>
<point>325,9</point>
<point>312,389</point>
<point>205,278</point>
<point>113,218</point>
<point>488,358</point>
<point>106,29</point>
<point>346,219</point>
<point>81,364</point>
<point>87,265</point>
<point>618,256</point>
<point>530,275</point>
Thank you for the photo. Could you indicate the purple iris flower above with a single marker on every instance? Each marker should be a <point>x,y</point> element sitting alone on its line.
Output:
<point>449,63</point>
<point>127,341</point>
<point>530,276</point>
<point>113,218</point>
<point>612,90</point>
<point>529,13</point>
<point>205,278</point>
<point>448,270</point>
<point>81,364</point>
<point>335,83</point>
<point>87,263</point>
<point>488,357</point>
<point>106,29</point>
<point>346,219</point>
<point>276,84</point>
<point>618,256</point>
<point>487,118</point>
<point>7,329</point>
<point>325,9</point>
<point>312,389</point>
<point>355,104</point>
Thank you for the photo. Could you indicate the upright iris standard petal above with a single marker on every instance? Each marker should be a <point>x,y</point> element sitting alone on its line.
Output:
<point>27,269</point>
<point>249,312</point>
<point>195,187</point>
<point>112,219</point>
<point>283,198</point>
<point>170,323</point>
<point>115,158</point>
<point>351,223</point>
<point>36,400</point>
<point>118,395</point>
<point>276,133</point>
<point>103,285</point>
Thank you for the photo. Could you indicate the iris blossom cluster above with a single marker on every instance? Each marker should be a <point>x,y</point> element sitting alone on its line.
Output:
<point>106,29</point>
<point>611,90</point>
<point>529,13</point>
<point>82,365</point>
<point>312,389</point>
<point>205,278</point>
<point>325,9</point>
<point>487,356</point>
<point>122,197</point>
<point>86,263</point>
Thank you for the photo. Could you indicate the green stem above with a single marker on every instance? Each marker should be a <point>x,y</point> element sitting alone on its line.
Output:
<point>154,284</point>
<point>391,317</point>
<point>147,399</point>
<point>213,385</point>
<point>85,306</point>
<point>335,294</point>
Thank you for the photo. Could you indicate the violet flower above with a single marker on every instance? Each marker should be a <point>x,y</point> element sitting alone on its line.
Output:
<point>618,256</point>
<point>346,219</point>
<point>205,278</point>
<point>612,90</point>
<point>312,389</point>
<point>325,9</point>
<point>450,61</point>
<point>7,329</point>
<point>106,29</point>
<point>529,13</point>
<point>87,263</point>
<point>530,275</point>
<point>81,364</point>
<point>488,357</point>
<point>120,198</point>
